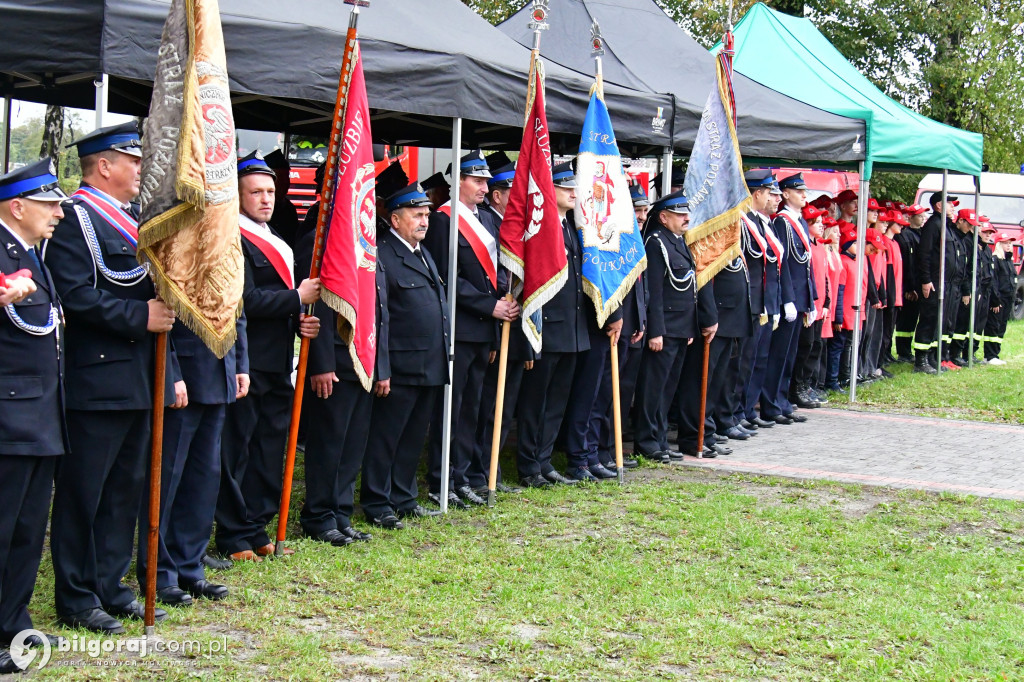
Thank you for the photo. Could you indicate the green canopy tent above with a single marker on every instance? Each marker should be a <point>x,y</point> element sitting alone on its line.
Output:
<point>790,55</point>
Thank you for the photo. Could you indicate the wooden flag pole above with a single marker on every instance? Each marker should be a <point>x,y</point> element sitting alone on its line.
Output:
<point>155,479</point>
<point>703,398</point>
<point>617,409</point>
<point>326,197</point>
<point>537,23</point>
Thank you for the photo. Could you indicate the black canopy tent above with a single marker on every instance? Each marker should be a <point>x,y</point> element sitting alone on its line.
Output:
<point>426,64</point>
<point>646,50</point>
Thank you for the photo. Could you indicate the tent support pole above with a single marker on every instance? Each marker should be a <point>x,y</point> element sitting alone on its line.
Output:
<point>7,135</point>
<point>974,275</point>
<point>102,84</point>
<point>453,257</point>
<point>858,297</point>
<point>666,173</point>
<point>941,286</point>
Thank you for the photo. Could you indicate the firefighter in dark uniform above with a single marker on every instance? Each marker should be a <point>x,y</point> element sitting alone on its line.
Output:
<point>985,279</point>
<point>437,190</point>
<point>798,294</point>
<point>418,355</point>
<point>337,411</point>
<point>480,306</point>
<point>675,312</point>
<point>112,313</point>
<point>928,262</point>
<point>1001,303</point>
<point>545,388</point>
<point>256,427</point>
<point>956,304</point>
<point>909,241</point>
<point>32,431</point>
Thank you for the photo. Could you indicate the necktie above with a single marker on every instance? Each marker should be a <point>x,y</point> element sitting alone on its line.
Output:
<point>419,254</point>
<point>31,252</point>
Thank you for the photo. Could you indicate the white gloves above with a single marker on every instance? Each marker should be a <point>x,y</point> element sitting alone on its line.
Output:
<point>775,322</point>
<point>790,310</point>
<point>812,316</point>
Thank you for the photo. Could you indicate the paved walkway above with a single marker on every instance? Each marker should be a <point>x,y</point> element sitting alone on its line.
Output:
<point>892,450</point>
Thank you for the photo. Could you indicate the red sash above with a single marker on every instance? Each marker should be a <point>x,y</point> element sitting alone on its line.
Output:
<point>477,236</point>
<point>125,224</point>
<point>283,269</point>
<point>799,232</point>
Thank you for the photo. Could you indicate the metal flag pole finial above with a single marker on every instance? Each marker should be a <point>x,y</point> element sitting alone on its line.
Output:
<point>538,21</point>
<point>597,43</point>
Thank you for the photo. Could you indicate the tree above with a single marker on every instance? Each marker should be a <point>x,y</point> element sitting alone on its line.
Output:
<point>53,132</point>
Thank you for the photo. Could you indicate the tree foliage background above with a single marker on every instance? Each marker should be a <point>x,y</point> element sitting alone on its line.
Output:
<point>960,62</point>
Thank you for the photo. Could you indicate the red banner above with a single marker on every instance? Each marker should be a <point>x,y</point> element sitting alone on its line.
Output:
<point>532,247</point>
<point>348,272</point>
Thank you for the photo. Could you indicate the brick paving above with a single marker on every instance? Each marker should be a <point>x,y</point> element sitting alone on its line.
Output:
<point>893,450</point>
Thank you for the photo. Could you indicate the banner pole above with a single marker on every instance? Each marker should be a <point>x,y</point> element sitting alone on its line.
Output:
<point>499,408</point>
<point>703,398</point>
<point>326,201</point>
<point>155,480</point>
<point>617,410</point>
<point>453,257</point>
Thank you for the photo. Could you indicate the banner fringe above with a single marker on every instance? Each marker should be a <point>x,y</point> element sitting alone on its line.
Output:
<point>536,302</point>
<point>346,323</point>
<point>606,308</point>
<point>717,265</point>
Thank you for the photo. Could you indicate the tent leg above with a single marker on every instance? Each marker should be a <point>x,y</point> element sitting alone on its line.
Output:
<point>102,93</point>
<point>974,276</point>
<point>453,257</point>
<point>666,173</point>
<point>858,301</point>
<point>941,285</point>
<point>7,135</point>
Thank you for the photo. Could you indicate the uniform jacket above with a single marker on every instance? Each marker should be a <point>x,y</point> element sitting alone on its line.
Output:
<point>328,352</point>
<point>894,272</point>
<point>272,313</point>
<point>209,380</point>
<point>819,259</point>
<point>31,382</point>
<point>108,351</point>
<point>732,299</point>
<point>634,310</point>
<point>909,241</point>
<point>797,280</point>
<point>756,262</point>
<point>836,287</point>
<point>772,274</point>
<point>565,327</point>
<point>418,338</point>
<point>849,295</point>
<point>675,308</point>
<point>475,295</point>
<point>1005,282</point>
<point>928,254</point>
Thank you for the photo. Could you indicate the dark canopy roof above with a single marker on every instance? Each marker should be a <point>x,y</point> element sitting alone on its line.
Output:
<point>646,50</point>
<point>425,63</point>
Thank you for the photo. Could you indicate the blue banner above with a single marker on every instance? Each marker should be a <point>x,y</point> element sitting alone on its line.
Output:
<point>613,250</point>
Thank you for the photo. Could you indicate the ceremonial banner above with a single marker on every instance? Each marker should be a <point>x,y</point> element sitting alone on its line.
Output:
<point>613,250</point>
<point>532,247</point>
<point>188,231</point>
<point>348,271</point>
<point>714,183</point>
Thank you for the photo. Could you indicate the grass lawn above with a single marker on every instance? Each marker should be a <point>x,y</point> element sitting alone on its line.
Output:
<point>680,573</point>
<point>994,394</point>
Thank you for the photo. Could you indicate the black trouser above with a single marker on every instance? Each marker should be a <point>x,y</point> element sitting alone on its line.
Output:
<point>952,303</point>
<point>721,383</point>
<point>468,370</point>
<point>837,349</point>
<point>870,341</point>
<point>542,400</point>
<point>582,431</point>
<point>479,471</point>
<point>688,393</point>
<point>808,357</point>
<point>995,328</point>
<point>981,315</point>
<point>336,436</point>
<point>96,506</point>
<point>906,322</point>
<point>398,429</point>
<point>252,460</point>
<point>25,487</point>
<point>188,495</point>
<point>926,334</point>
<point>762,343</point>
<point>601,423</point>
<point>890,316</point>
<point>779,373</point>
<point>655,388</point>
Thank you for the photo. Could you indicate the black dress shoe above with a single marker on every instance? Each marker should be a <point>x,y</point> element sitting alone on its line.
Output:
<point>466,494</point>
<point>706,454</point>
<point>581,475</point>
<point>750,432</point>
<point>331,535</point>
<point>673,455</point>
<point>453,500</point>
<point>387,521</point>
<point>7,664</point>
<point>748,425</point>
<point>203,589</point>
<point>720,438</point>
<point>536,481</point>
<point>798,418</point>
<point>556,477</point>
<point>781,419</point>
<point>660,456</point>
<point>720,449</point>
<point>96,620</point>
<point>134,610</point>
<point>602,473</point>
<point>762,423</point>
<point>173,595</point>
<point>502,488</point>
<point>419,511</point>
<point>736,433</point>
<point>357,535</point>
<point>626,464</point>
<point>216,563</point>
